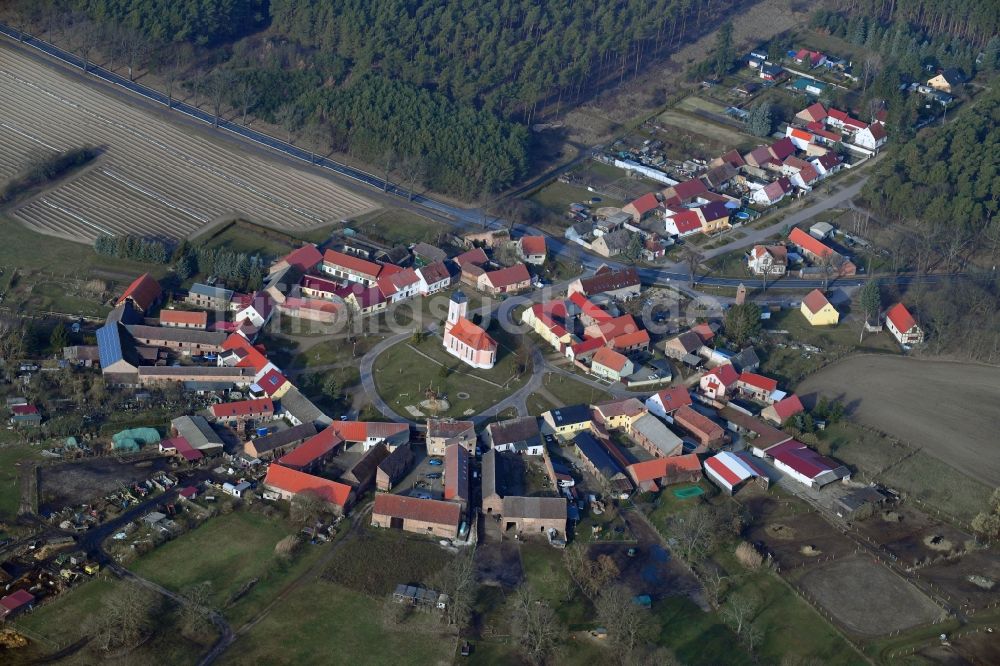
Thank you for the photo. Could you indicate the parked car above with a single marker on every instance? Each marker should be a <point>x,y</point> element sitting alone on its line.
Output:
<point>435,461</point>
<point>433,475</point>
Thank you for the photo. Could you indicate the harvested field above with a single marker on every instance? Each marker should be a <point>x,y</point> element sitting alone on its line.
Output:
<point>154,178</point>
<point>866,598</point>
<point>947,409</point>
<point>87,480</point>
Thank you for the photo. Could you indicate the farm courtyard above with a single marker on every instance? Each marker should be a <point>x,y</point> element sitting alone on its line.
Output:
<point>152,178</point>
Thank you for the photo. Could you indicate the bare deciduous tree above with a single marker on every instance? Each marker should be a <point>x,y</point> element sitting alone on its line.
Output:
<point>125,619</point>
<point>244,95</point>
<point>196,612</point>
<point>458,581</point>
<point>288,118</point>
<point>217,88</point>
<point>628,624</point>
<point>739,611</point>
<point>535,625</point>
<point>307,508</point>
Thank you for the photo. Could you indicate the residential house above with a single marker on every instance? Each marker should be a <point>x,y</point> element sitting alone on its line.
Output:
<point>276,444</point>
<point>746,359</point>
<point>612,244</point>
<point>814,113</point>
<point>565,421</point>
<point>317,287</point>
<point>288,483</point>
<point>622,284</point>
<point>844,121</point>
<point>470,259</point>
<point>427,254</point>
<point>618,413</point>
<point>303,260</point>
<point>611,365</point>
<point>517,435</point>
<point>234,413</point>
<point>351,268</point>
<point>209,297</point>
<point>313,452</point>
<point>653,475</point>
<point>465,340</point>
<point>802,174</point>
<point>393,468</point>
<point>730,471</point>
<point>719,382</point>
<point>399,286</point>
<point>683,223</point>
<point>421,516</point>
<point>549,320</point>
<point>828,164</point>
<point>947,80</point>
<point>651,434</point>
<point>714,217</point>
<point>756,386</point>
<point>654,247</point>
<point>456,474</point>
<point>773,192</point>
<point>25,415</point>
<point>872,137</point>
<point>433,278</point>
<point>771,72</point>
<point>781,149</point>
<point>370,434</point>
<point>512,280</point>
<point>255,308</point>
<point>820,253</point>
<point>362,299</point>
<point>664,403</point>
<point>184,319</point>
<point>686,344</point>
<point>643,207</point>
<point>683,192</point>
<point>809,58</point>
<point>584,351</point>
<point>143,293</point>
<point>707,432</point>
<point>759,157</point>
<point>442,433</point>
<point>732,158</point>
<point>532,250</point>
<point>903,326</point>
<point>719,176</point>
<point>597,461</point>
<point>782,410</point>
<point>589,313</point>
<point>818,310</point>
<point>768,260</point>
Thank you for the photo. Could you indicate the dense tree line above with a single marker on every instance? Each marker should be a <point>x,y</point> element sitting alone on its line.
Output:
<point>946,181</point>
<point>136,248</point>
<point>202,22</point>
<point>43,169</point>
<point>239,270</point>
<point>974,21</point>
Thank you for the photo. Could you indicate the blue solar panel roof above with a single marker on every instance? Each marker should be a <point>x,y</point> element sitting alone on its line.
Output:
<point>109,345</point>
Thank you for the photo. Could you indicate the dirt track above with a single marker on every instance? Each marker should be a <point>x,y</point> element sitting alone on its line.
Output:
<point>949,409</point>
<point>153,177</point>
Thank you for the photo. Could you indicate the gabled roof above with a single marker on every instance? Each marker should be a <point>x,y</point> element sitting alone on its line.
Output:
<point>815,112</point>
<point>673,398</point>
<point>434,273</point>
<point>281,438</point>
<point>759,381</point>
<point>304,258</point>
<point>698,423</point>
<point>23,410</point>
<point>319,284</point>
<point>514,430</point>
<point>422,510</point>
<point>188,317</point>
<point>657,468</point>
<point>250,356</point>
<point>594,452</point>
<point>613,328</point>
<point>397,281</point>
<point>587,345</point>
<point>689,189</point>
<point>609,280</point>
<point>295,482</point>
<point>704,331</point>
<point>800,134</point>
<point>587,308</point>
<point>610,359</point>
<point>901,318</point>
<point>360,431</point>
<point>143,292</point>
<point>456,472</point>
<point>788,407</point>
<point>476,256</point>
<point>645,203</point>
<point>815,301</point>
<point>16,600</point>
<point>315,447</point>
<point>778,252</point>
<point>631,340</point>
<point>759,156</point>
<point>182,446</point>
<point>448,428</point>
<point>242,408</point>
<point>715,210</point>
<point>625,407</point>
<point>782,148</point>
<point>538,508</point>
<point>365,297</point>
<point>506,277</point>
<point>570,415</point>
<point>532,245</point>
<point>809,243</point>
<point>877,131</point>
<point>733,468</point>
<point>687,221</point>
<point>829,160</point>
<point>271,381</point>
<point>211,291</point>
<point>802,459</point>
<point>472,335</point>
<point>725,374</point>
<point>732,158</point>
<point>354,264</point>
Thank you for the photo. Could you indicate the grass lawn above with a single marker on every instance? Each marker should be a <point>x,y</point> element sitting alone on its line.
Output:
<point>404,371</point>
<point>572,392</point>
<point>10,489</point>
<point>252,239</point>
<point>380,559</point>
<point>938,486</point>
<point>667,504</point>
<point>228,550</point>
<point>336,350</point>
<point>62,622</point>
<point>538,404</point>
<point>324,620</point>
<point>396,226</point>
<point>557,197</point>
<point>731,264</point>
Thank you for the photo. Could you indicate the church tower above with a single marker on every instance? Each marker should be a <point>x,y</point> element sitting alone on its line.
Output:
<point>458,305</point>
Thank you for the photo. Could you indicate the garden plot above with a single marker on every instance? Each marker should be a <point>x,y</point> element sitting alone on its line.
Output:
<point>153,178</point>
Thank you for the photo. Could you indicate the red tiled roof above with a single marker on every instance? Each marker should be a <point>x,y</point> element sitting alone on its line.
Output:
<point>809,243</point>
<point>624,407</point>
<point>587,308</point>
<point>475,256</point>
<point>878,131</point>
<point>657,468</point>
<point>15,600</point>
<point>144,291</point>
<point>704,332</point>
<point>304,258</point>
<point>801,135</point>
<point>732,158</point>
<point>631,340</point>
<point>726,374</point>
<point>686,221</point>
<point>759,381</point>
<point>318,445</point>
<point>900,318</point>
<point>456,472</point>
<point>689,189</point>
<point>252,357</point>
<point>351,263</point>
<point>472,335</point>
<point>674,398</point>
<point>586,346</point>
<point>272,381</point>
<point>23,410</point>
<point>397,281</point>
<point>645,203</point>
<point>434,273</point>
<point>610,359</point>
<point>698,423</point>
<point>788,407</point>
<point>533,245</point>
<point>815,301</point>
<point>609,280</point>
<point>801,458</point>
<point>759,156</point>
<point>183,317</point>
<point>295,482</point>
<point>243,408</point>
<point>319,284</point>
<point>359,431</point>
<point>506,277</point>
<point>183,447</point>
<point>423,510</point>
<point>816,112</point>
<point>293,303</point>
<point>782,148</point>
<point>613,328</point>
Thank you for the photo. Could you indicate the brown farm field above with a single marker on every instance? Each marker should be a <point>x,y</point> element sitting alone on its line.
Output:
<point>946,409</point>
<point>153,177</point>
